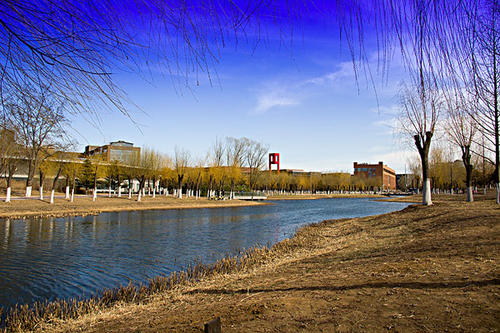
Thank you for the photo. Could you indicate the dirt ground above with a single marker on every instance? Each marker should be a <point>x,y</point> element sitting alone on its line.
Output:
<point>85,205</point>
<point>423,269</point>
<point>322,196</point>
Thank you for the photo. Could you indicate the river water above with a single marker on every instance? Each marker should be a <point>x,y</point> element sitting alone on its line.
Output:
<point>54,258</point>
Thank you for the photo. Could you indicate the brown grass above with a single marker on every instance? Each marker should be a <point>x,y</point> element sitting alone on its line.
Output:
<point>85,206</point>
<point>323,196</point>
<point>423,269</point>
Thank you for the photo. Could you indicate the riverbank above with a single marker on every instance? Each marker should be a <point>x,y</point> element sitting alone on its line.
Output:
<point>85,206</point>
<point>440,198</point>
<point>323,196</point>
<point>421,269</point>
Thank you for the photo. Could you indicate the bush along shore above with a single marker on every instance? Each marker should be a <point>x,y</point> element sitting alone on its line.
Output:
<point>420,269</point>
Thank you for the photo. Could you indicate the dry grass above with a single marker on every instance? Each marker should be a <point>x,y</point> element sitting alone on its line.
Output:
<point>423,269</point>
<point>85,206</point>
<point>323,196</point>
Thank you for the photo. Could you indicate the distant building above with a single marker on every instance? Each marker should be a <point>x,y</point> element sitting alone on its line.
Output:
<point>116,151</point>
<point>386,175</point>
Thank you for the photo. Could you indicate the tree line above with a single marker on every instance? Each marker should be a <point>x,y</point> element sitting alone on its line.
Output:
<point>449,49</point>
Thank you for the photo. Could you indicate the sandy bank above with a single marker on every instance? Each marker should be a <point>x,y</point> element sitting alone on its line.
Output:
<point>423,269</point>
<point>322,196</point>
<point>85,206</point>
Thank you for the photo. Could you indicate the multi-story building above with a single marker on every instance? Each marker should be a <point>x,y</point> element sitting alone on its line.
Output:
<point>386,176</point>
<point>116,151</point>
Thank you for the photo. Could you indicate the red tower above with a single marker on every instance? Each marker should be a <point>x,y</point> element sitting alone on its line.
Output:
<point>274,158</point>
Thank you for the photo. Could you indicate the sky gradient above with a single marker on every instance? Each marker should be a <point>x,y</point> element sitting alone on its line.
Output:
<point>302,100</point>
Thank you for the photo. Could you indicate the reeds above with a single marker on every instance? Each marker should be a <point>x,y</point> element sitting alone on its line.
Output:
<point>29,317</point>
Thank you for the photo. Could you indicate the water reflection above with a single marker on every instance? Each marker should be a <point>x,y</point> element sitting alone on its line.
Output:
<point>73,256</point>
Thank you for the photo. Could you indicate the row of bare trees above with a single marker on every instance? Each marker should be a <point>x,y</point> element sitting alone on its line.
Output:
<point>453,81</point>
<point>32,130</point>
<point>450,49</point>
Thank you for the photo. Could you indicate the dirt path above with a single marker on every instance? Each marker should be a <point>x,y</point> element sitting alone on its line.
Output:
<point>424,269</point>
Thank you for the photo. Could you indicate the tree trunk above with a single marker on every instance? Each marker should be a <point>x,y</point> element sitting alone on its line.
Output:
<point>29,180</point>
<point>142,182</point>
<point>119,186</point>
<point>94,195</point>
<point>129,188</point>
<point>466,159</point>
<point>423,146</point>
<point>67,187</point>
<point>154,187</point>
<point>54,182</point>
<point>180,178</point>
<point>11,170</point>
<point>42,176</point>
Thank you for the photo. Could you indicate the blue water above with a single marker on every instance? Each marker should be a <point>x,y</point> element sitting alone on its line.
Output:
<point>75,256</point>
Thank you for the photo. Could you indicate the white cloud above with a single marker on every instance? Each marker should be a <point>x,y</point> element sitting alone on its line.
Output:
<point>288,92</point>
<point>269,100</point>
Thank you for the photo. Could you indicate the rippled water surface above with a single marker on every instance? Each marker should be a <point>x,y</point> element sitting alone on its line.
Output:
<point>73,256</point>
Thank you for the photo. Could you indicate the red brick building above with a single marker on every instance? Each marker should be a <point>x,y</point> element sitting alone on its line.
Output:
<point>386,175</point>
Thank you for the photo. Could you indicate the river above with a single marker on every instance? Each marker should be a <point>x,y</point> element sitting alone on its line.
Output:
<point>51,258</point>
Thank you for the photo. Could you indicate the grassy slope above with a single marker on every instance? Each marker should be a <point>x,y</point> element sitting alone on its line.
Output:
<point>422,269</point>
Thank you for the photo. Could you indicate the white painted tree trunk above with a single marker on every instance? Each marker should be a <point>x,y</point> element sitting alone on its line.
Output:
<point>139,196</point>
<point>130,193</point>
<point>7,197</point>
<point>498,193</point>
<point>470,195</point>
<point>94,195</point>
<point>119,191</point>
<point>28,191</point>
<point>41,192</point>
<point>72,194</point>
<point>427,192</point>
<point>180,193</point>
<point>109,191</point>
<point>154,192</point>
<point>67,193</point>
<point>52,192</point>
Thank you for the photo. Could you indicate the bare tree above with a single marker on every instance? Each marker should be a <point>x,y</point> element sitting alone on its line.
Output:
<point>73,48</point>
<point>421,105</point>
<point>480,56</point>
<point>181,163</point>
<point>10,153</point>
<point>461,129</point>
<point>255,157</point>
<point>235,154</point>
<point>38,123</point>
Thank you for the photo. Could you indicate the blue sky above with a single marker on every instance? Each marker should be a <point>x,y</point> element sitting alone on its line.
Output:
<point>301,100</point>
